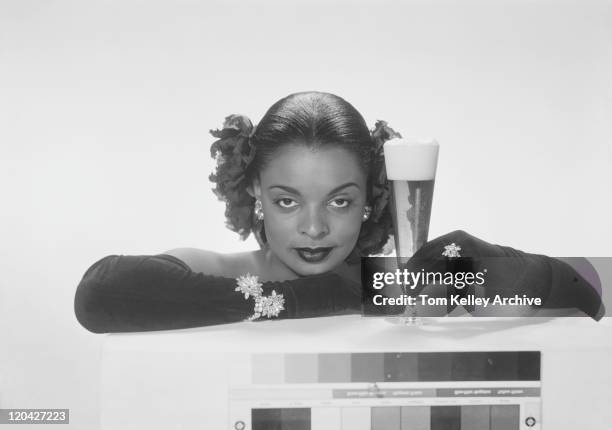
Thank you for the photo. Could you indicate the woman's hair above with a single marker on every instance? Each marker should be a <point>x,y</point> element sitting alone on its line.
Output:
<point>312,118</point>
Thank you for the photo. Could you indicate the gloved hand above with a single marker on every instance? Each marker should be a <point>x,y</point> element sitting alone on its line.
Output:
<point>507,273</point>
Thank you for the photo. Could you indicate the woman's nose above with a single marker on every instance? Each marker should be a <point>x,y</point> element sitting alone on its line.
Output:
<point>313,223</point>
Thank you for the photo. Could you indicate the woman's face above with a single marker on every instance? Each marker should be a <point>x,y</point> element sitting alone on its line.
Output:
<point>313,202</point>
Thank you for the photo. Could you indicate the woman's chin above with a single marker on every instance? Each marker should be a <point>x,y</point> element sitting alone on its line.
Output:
<point>310,269</point>
<point>303,264</point>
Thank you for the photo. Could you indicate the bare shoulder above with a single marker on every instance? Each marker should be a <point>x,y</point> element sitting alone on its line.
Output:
<point>214,263</point>
<point>198,260</point>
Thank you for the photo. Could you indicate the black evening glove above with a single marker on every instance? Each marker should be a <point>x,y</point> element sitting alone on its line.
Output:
<point>509,273</point>
<point>159,292</point>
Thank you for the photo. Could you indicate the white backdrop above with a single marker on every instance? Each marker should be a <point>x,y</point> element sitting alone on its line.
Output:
<point>105,109</point>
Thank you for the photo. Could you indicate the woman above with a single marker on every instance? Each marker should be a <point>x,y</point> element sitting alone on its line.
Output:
<point>309,183</point>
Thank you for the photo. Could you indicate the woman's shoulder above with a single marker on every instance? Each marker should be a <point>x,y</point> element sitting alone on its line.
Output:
<point>217,264</point>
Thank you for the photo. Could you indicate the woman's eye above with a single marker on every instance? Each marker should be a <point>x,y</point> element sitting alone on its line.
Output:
<point>286,203</point>
<point>339,203</point>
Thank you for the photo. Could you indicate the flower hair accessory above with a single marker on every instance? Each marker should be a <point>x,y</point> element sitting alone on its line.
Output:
<point>381,193</point>
<point>233,152</point>
<point>374,237</point>
<point>265,306</point>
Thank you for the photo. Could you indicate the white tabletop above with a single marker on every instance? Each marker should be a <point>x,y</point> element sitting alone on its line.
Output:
<point>179,379</point>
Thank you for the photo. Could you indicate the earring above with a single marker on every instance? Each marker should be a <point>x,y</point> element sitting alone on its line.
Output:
<point>258,210</point>
<point>367,210</point>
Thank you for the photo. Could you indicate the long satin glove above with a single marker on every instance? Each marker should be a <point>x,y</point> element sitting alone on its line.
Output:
<point>511,272</point>
<point>158,292</point>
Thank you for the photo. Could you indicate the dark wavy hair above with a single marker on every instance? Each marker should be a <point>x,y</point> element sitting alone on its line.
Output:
<point>313,118</point>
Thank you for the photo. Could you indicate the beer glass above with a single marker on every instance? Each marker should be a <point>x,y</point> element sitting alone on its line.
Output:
<point>411,169</point>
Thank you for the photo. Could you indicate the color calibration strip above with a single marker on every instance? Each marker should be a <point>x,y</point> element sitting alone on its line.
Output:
<point>465,417</point>
<point>395,367</point>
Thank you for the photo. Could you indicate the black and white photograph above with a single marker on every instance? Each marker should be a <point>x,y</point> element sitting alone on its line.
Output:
<point>306,215</point>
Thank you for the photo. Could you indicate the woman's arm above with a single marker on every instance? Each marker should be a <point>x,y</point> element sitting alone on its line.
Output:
<point>143,293</point>
<point>512,272</point>
<point>580,288</point>
<point>201,260</point>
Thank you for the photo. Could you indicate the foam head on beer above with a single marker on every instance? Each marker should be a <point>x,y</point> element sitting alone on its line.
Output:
<point>411,168</point>
<point>411,159</point>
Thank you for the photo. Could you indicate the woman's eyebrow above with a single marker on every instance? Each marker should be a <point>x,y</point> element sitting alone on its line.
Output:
<point>285,188</point>
<point>343,186</point>
<point>294,191</point>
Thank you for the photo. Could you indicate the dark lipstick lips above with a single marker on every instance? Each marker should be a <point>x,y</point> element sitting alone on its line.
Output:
<point>313,255</point>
